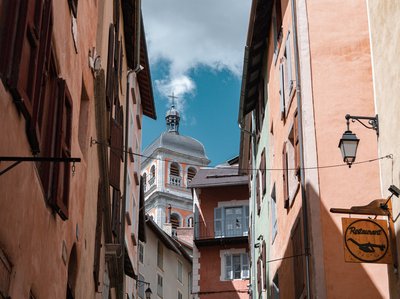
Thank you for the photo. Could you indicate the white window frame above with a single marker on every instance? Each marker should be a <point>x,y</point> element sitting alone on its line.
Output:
<point>180,271</point>
<point>160,286</point>
<point>221,226</point>
<point>231,252</point>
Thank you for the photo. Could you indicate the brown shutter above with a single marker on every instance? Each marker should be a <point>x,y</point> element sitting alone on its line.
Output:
<point>258,193</point>
<point>110,60</point>
<point>97,244</point>
<point>296,144</point>
<point>263,172</point>
<point>264,258</point>
<point>298,268</point>
<point>62,149</point>
<point>115,153</point>
<point>285,177</point>
<point>116,203</point>
<point>259,285</point>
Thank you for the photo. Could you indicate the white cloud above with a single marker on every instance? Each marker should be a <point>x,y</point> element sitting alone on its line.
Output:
<point>193,33</point>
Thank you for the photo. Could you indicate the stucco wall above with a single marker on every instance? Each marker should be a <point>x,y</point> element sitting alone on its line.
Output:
<point>384,28</point>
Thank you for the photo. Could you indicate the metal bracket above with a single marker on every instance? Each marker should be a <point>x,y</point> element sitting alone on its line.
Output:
<point>18,160</point>
<point>372,121</point>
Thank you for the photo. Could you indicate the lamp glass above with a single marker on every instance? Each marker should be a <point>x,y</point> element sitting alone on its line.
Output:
<point>148,293</point>
<point>348,146</point>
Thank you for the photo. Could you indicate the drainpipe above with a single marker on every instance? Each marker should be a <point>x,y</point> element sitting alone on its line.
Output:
<point>301,145</point>
<point>254,208</point>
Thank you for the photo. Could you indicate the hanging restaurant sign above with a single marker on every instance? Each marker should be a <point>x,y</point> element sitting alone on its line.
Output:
<point>366,241</point>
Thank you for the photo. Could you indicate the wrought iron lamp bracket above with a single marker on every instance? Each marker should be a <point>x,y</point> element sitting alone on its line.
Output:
<point>372,121</point>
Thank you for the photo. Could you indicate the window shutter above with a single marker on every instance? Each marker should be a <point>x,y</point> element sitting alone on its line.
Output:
<point>60,198</point>
<point>218,222</point>
<point>285,177</point>
<point>245,226</point>
<point>282,91</point>
<point>259,276</point>
<point>258,193</point>
<point>288,50</point>
<point>196,222</point>
<point>263,172</point>
<point>274,221</point>
<point>116,203</point>
<point>298,268</point>
<point>115,153</point>
<point>245,266</point>
<point>264,259</point>
<point>296,144</point>
<point>228,267</point>
<point>110,60</point>
<point>97,244</point>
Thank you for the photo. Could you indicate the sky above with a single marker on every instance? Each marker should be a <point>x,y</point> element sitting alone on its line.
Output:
<point>196,50</point>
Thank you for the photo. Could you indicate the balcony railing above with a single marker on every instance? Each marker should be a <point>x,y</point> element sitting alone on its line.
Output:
<point>175,180</point>
<point>220,229</point>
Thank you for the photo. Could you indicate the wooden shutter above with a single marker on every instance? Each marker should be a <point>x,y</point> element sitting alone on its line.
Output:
<point>97,244</point>
<point>288,50</point>
<point>116,213</point>
<point>264,259</point>
<point>285,177</point>
<point>62,149</point>
<point>110,60</point>
<point>263,172</point>
<point>115,153</point>
<point>296,144</point>
<point>218,222</point>
<point>258,196</point>
<point>259,283</point>
<point>298,268</point>
<point>282,90</point>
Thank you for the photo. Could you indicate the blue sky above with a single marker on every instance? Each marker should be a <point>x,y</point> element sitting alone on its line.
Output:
<point>196,51</point>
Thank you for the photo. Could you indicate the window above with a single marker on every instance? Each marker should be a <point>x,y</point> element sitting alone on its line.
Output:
<point>231,221</point>
<point>180,269</point>
<point>175,220</point>
<point>288,70</point>
<point>174,174</point>
<point>277,27</point>
<point>152,175</point>
<point>159,255</point>
<point>282,91</point>
<point>159,285</point>
<point>141,253</point>
<point>236,266</point>
<point>190,222</point>
<point>190,174</point>
<point>127,198</point>
<point>274,219</point>
<point>141,287</point>
<point>263,172</point>
<point>179,295</point>
<point>293,165</point>
<point>144,181</point>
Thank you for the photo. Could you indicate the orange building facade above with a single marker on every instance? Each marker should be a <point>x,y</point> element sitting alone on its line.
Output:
<point>69,87</point>
<point>307,65</point>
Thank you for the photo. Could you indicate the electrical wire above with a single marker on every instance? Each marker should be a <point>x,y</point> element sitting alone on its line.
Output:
<point>390,156</point>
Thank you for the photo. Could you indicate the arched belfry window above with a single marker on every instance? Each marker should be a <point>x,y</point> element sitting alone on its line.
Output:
<point>152,175</point>
<point>191,173</point>
<point>175,174</point>
<point>175,220</point>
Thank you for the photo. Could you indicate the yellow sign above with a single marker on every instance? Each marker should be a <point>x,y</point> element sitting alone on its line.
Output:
<point>366,241</point>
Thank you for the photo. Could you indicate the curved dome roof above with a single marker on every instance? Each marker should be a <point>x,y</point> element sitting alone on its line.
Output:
<point>177,143</point>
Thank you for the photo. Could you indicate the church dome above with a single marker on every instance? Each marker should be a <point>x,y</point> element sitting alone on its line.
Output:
<point>177,143</point>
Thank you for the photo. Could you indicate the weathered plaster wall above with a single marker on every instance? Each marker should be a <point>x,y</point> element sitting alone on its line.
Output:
<point>384,28</point>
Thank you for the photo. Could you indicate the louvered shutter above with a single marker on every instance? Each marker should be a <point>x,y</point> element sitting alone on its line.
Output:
<point>116,213</point>
<point>282,90</point>
<point>264,259</point>
<point>288,49</point>
<point>263,172</point>
<point>228,267</point>
<point>258,196</point>
<point>115,154</point>
<point>97,244</point>
<point>62,149</point>
<point>259,284</point>
<point>285,177</point>
<point>110,60</point>
<point>296,144</point>
<point>218,222</point>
